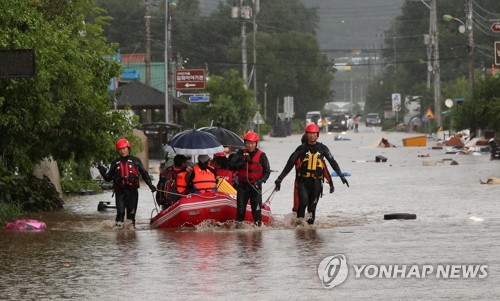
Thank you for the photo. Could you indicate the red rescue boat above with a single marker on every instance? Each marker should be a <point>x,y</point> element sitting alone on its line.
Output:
<point>194,209</point>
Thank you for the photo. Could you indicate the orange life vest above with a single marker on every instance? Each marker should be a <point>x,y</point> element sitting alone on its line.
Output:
<point>204,180</point>
<point>252,171</point>
<point>180,180</point>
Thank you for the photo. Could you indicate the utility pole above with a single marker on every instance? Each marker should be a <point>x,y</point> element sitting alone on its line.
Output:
<point>470,47</point>
<point>265,100</point>
<point>256,11</point>
<point>244,12</point>
<point>149,113</point>
<point>148,42</point>
<point>167,46</point>
<point>436,68</point>
<point>244,52</point>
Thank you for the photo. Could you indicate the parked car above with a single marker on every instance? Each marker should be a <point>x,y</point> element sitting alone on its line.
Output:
<point>313,117</point>
<point>373,119</point>
<point>337,122</point>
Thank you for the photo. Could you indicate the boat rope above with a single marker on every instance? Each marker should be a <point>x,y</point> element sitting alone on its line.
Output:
<point>156,207</point>
<point>190,194</point>
<point>270,198</point>
<point>253,187</point>
<point>267,190</point>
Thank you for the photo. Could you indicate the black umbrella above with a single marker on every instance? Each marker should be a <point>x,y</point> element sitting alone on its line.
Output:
<point>225,136</point>
<point>194,142</point>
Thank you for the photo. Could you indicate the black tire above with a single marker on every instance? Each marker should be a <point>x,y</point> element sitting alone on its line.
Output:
<point>392,216</point>
<point>102,206</point>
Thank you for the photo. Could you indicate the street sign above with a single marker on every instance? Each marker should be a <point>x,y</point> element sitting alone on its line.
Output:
<point>495,27</point>
<point>199,98</point>
<point>190,79</point>
<point>429,114</point>
<point>16,63</point>
<point>396,102</point>
<point>257,119</point>
<point>497,53</point>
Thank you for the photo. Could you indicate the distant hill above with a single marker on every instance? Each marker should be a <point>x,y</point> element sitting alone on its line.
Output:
<point>353,24</point>
<point>345,24</point>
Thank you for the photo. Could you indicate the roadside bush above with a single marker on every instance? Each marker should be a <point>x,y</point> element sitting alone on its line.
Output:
<point>76,178</point>
<point>26,193</point>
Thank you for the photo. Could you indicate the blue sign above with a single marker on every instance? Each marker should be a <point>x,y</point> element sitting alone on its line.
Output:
<point>199,98</point>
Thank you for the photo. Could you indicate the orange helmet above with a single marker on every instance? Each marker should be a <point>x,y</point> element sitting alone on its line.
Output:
<point>122,143</point>
<point>251,136</point>
<point>312,128</point>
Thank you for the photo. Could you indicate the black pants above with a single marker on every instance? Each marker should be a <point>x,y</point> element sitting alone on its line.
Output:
<point>309,190</point>
<point>245,193</point>
<point>126,201</point>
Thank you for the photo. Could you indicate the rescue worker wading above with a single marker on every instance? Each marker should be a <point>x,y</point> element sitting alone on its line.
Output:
<point>253,169</point>
<point>309,163</point>
<point>124,172</point>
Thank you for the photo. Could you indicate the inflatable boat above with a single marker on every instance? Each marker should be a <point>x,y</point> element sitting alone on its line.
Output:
<point>194,209</point>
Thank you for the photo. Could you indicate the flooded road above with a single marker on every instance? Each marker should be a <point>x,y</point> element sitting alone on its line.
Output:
<point>81,257</point>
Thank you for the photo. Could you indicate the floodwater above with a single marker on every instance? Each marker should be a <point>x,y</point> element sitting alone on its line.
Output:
<point>81,257</point>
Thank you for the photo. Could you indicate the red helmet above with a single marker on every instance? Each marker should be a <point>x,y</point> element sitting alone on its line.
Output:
<point>251,136</point>
<point>220,154</point>
<point>122,143</point>
<point>312,128</point>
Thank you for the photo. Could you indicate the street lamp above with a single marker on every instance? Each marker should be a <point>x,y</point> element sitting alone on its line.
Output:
<point>265,100</point>
<point>449,18</point>
<point>470,45</point>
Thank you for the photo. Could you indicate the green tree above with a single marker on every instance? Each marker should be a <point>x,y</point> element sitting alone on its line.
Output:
<point>406,54</point>
<point>483,110</point>
<point>230,104</point>
<point>63,111</point>
<point>127,27</point>
<point>288,54</point>
<point>292,65</point>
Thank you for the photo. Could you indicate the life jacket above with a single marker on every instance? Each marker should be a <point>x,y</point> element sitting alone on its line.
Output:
<point>126,174</point>
<point>310,166</point>
<point>204,180</point>
<point>164,185</point>
<point>224,174</point>
<point>180,180</point>
<point>252,171</point>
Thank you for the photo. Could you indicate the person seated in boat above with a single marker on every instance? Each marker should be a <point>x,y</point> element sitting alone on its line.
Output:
<point>253,170</point>
<point>221,169</point>
<point>202,177</point>
<point>172,183</point>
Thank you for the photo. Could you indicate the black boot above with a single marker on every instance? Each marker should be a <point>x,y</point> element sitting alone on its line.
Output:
<point>311,219</point>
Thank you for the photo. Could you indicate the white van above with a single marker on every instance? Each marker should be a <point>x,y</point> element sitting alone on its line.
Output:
<point>313,117</point>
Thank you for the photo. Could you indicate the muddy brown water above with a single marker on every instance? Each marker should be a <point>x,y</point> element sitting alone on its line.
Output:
<point>81,257</point>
